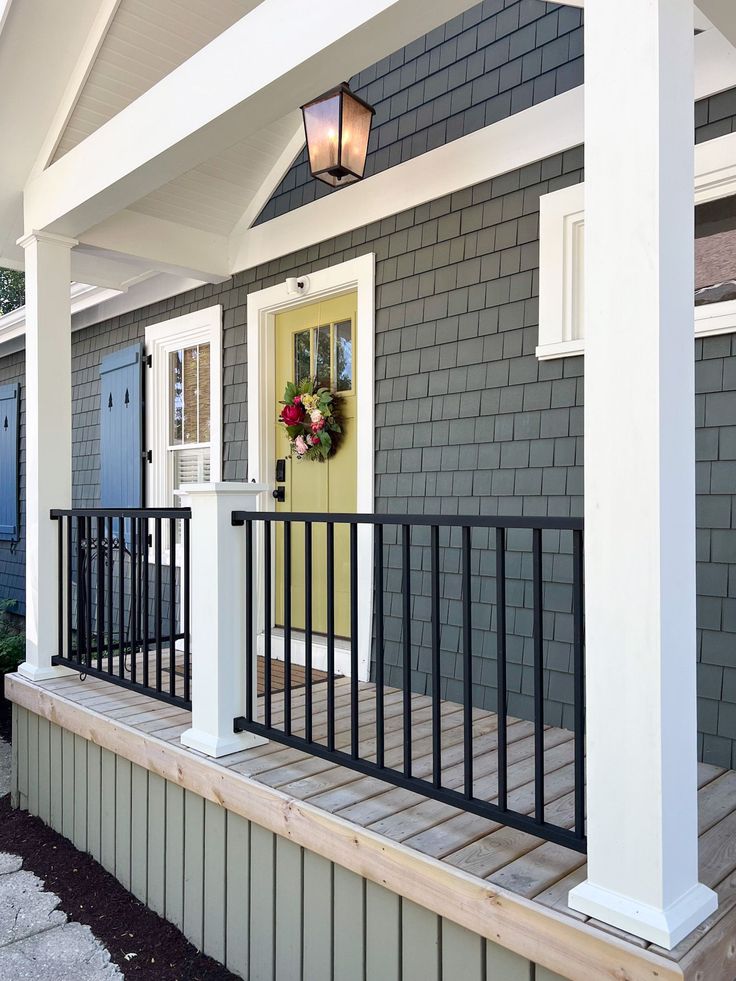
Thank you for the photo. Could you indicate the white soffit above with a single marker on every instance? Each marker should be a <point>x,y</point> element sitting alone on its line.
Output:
<point>144,42</point>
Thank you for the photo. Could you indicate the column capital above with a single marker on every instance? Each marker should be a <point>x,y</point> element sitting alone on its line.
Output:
<point>48,238</point>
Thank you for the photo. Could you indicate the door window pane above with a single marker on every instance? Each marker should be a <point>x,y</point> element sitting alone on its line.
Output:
<point>302,357</point>
<point>343,356</point>
<point>322,350</point>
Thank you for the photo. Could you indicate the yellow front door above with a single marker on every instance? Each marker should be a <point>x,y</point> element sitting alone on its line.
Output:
<point>318,341</point>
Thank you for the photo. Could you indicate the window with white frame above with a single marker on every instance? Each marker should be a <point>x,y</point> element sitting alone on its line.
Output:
<point>561,255</point>
<point>183,397</point>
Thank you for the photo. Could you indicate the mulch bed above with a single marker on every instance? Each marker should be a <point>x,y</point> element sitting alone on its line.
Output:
<point>91,896</point>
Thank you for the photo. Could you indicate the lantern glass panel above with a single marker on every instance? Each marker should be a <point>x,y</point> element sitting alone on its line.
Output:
<point>356,126</point>
<point>322,123</point>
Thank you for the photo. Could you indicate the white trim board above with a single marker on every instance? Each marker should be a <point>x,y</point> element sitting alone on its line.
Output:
<point>562,256</point>
<point>263,306</point>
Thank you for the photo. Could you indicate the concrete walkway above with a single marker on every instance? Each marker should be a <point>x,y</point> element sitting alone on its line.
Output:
<point>36,938</point>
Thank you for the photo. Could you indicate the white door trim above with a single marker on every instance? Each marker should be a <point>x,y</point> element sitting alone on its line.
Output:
<point>263,306</point>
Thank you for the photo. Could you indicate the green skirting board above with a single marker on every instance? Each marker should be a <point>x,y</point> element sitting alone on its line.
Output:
<point>260,904</point>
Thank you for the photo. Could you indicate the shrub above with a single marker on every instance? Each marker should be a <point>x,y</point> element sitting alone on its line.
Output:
<point>12,637</point>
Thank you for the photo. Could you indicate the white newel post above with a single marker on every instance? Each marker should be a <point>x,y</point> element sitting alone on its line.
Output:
<point>218,615</point>
<point>640,472</point>
<point>48,398</point>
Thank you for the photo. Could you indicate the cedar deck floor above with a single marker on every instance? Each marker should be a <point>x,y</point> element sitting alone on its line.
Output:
<point>518,862</point>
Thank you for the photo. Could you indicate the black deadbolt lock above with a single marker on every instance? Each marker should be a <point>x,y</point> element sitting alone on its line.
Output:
<point>280,471</point>
<point>279,494</point>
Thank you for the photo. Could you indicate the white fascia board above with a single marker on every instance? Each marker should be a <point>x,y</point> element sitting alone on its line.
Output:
<point>535,133</point>
<point>275,175</point>
<point>256,71</point>
<point>177,249</point>
<point>81,296</point>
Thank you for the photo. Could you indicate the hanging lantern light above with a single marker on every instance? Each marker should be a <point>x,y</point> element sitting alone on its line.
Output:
<point>337,126</point>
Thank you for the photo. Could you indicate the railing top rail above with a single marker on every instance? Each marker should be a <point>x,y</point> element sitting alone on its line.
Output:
<point>185,513</point>
<point>438,520</point>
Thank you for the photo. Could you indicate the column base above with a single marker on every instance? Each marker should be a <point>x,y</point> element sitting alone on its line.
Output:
<point>33,672</point>
<point>664,927</point>
<point>217,746</point>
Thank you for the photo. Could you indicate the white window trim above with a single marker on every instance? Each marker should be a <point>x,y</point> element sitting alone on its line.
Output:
<point>263,306</point>
<point>201,327</point>
<point>562,259</point>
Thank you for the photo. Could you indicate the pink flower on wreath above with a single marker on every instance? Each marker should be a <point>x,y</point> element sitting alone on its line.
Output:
<point>316,426</point>
<point>297,400</point>
<point>300,445</point>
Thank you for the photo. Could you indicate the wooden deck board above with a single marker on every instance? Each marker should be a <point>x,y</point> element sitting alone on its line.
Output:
<point>518,863</point>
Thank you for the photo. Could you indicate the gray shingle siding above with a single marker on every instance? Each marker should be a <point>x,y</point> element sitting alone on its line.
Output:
<point>496,59</point>
<point>13,554</point>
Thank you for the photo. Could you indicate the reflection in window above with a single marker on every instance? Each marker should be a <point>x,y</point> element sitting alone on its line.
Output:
<point>715,251</point>
<point>302,356</point>
<point>343,356</point>
<point>322,349</point>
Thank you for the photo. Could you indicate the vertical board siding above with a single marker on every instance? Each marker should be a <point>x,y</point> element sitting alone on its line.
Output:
<point>420,943</point>
<point>174,856</point>
<point>157,844</point>
<point>68,770</point>
<point>215,864</point>
<point>382,934</point>
<point>237,894</point>
<point>349,929</point>
<point>194,868</point>
<point>139,830</point>
<point>318,918</point>
<point>262,905</point>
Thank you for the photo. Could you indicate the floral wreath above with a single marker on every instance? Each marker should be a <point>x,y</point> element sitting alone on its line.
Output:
<point>311,418</point>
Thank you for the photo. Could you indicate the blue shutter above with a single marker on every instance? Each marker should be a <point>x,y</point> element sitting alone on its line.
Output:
<point>9,415</point>
<point>121,429</point>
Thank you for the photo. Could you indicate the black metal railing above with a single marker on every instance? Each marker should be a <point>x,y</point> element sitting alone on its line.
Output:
<point>437,583</point>
<point>123,595</point>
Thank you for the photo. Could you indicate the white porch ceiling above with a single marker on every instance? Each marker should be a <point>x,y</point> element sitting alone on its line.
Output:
<point>144,41</point>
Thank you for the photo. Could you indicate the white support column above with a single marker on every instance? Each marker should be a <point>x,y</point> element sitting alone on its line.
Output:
<point>218,605</point>
<point>640,472</point>
<point>48,391</point>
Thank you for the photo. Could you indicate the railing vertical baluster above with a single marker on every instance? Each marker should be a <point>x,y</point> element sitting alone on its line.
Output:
<point>157,600</point>
<point>354,600</point>
<point>121,597</point>
<point>185,607</point>
<point>81,639</point>
<point>172,606</point>
<point>109,558</point>
<point>330,583</point>
<point>308,631</point>
<point>578,682</point>
<point>467,664</point>
<point>287,627</point>
<point>69,578</point>
<point>249,654</point>
<point>100,590</point>
<point>88,588</point>
<point>538,677</point>
<point>436,717</point>
<point>501,663</point>
<point>60,586</point>
<point>378,544</point>
<point>145,544</point>
<point>133,629</point>
<point>406,630</point>
<point>267,625</point>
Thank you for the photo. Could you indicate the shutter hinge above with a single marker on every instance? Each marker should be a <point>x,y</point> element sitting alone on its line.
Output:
<point>148,359</point>
<point>147,456</point>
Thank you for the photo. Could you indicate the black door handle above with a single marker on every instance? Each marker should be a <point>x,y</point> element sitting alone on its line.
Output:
<point>279,494</point>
